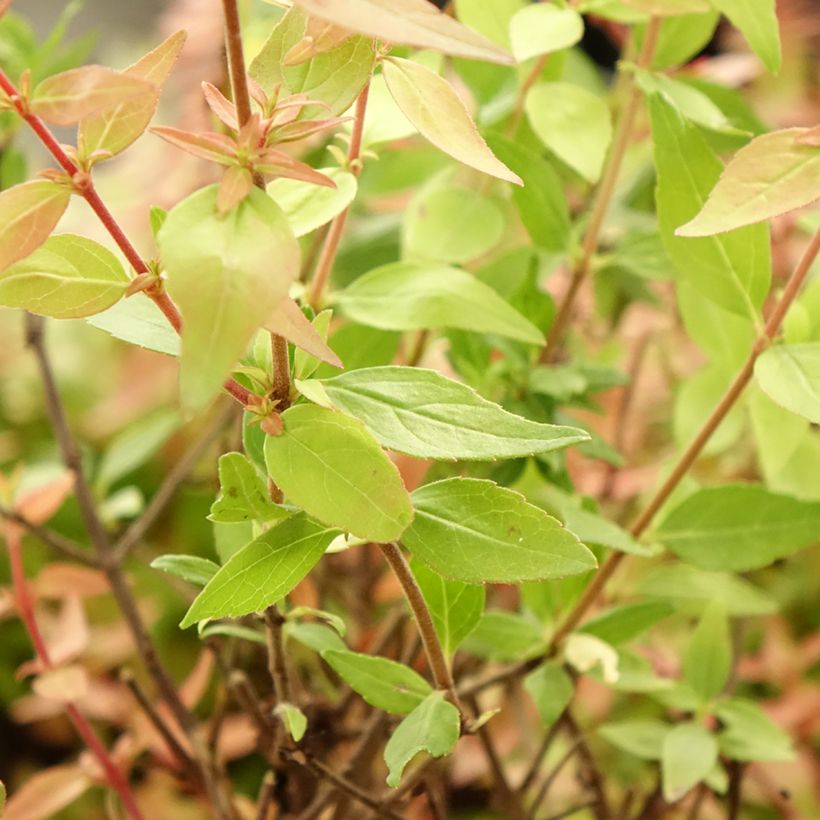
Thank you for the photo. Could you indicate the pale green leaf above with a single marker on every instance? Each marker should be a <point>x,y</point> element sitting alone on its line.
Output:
<point>331,466</point>
<point>410,23</point>
<point>543,28</point>
<point>263,571</point>
<point>707,660</point>
<point>681,38</point>
<point>243,493</point>
<point>551,689</point>
<point>408,296</point>
<point>642,738</point>
<point>317,637</point>
<point>67,277</point>
<point>190,568</point>
<point>432,727</point>
<point>433,107</point>
<point>424,414</point>
<point>750,734</point>
<point>732,270</point>
<point>739,527</point>
<point>455,607</point>
<point>227,273</point>
<point>505,636</point>
<point>28,214</point>
<point>573,123</point>
<point>757,19</point>
<point>492,19</point>
<point>790,376</point>
<point>385,684</point>
<point>138,321</point>
<point>309,206</point>
<point>688,754</point>
<point>772,175</point>
<point>626,622</point>
<point>472,530</point>
<point>294,719</point>
<point>668,8</point>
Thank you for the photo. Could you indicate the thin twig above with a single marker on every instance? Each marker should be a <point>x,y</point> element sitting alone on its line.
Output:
<point>734,798</point>
<point>277,667</point>
<point>521,98</point>
<point>594,778</point>
<point>49,537</point>
<point>267,795</point>
<point>553,776</point>
<point>540,756</point>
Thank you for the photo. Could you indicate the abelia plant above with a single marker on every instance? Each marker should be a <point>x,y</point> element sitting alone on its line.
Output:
<point>400,418</point>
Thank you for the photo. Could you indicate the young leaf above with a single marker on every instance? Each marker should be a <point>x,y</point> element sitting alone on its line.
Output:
<point>385,684</point>
<point>624,623</point>
<point>227,274</point>
<point>432,727</point>
<point>573,123</point>
<point>455,608</point>
<point>750,734</point>
<point>67,277</point>
<point>309,206</point>
<point>708,657</point>
<point>243,493</point>
<point>293,718</point>
<point>329,465</point>
<point>263,571</point>
<point>472,530</point>
<point>433,107</point>
<point>28,214</point>
<point>66,98</point>
<point>739,527</point>
<point>551,689</point>
<point>420,412</point>
<point>542,29</point>
<point>408,296</point>
<point>732,270</point>
<point>757,19</point>
<point>138,321</point>
<point>772,175</point>
<point>190,568</point>
<point>490,19</point>
<point>642,738</point>
<point>288,320</point>
<point>410,23</point>
<point>689,752</point>
<point>115,128</point>
<point>790,376</point>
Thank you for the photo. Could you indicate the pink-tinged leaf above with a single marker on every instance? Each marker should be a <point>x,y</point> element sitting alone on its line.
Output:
<point>810,137</point>
<point>57,580</point>
<point>114,129</point>
<point>28,214</point>
<point>288,320</point>
<point>210,145</point>
<point>222,107</point>
<point>67,97</point>
<point>433,107</point>
<point>319,37</point>
<point>48,792</point>
<point>301,129</point>
<point>772,175</point>
<point>64,685</point>
<point>38,505</point>
<point>236,184</point>
<point>407,22</point>
<point>278,164</point>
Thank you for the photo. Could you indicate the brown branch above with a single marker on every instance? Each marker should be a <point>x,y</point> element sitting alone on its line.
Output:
<point>553,776</point>
<point>592,775</point>
<point>49,537</point>
<point>277,667</point>
<point>267,795</point>
<point>521,97</point>
<point>540,756</point>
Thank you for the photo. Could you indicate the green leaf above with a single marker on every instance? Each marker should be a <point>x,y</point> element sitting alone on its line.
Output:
<point>243,493</point>
<point>67,277</point>
<point>309,206</point>
<point>450,224</point>
<point>490,19</point>
<point>408,296</point>
<point>410,23</point>
<point>472,530</point>
<point>772,175</point>
<point>739,527</point>
<point>420,412</point>
<point>681,38</point>
<point>455,607</point>
<point>138,321</point>
<point>66,98</point>
<point>691,590</point>
<point>262,572</point>
<point>541,202</point>
<point>573,123</point>
<point>330,465</point>
<point>115,128</point>
<point>668,8</point>
<point>542,29</point>
<point>432,727</point>
<point>757,19</point>
<point>227,274</point>
<point>318,637</point>
<point>750,734</point>
<point>689,752</point>
<point>551,689</point>
<point>790,376</point>
<point>642,738</point>
<point>732,270</point>
<point>385,684</point>
<point>708,657</point>
<point>293,718</point>
<point>334,77</point>
<point>433,107</point>
<point>28,214</point>
<point>624,623</point>
<point>190,568</point>
<point>505,636</point>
